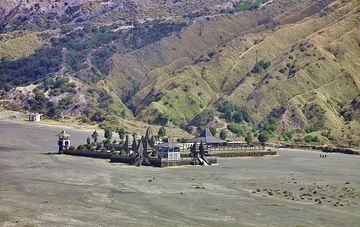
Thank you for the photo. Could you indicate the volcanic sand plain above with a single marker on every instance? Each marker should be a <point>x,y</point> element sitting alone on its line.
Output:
<point>294,188</point>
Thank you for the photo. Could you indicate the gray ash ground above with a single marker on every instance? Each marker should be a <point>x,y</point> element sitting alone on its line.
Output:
<point>324,195</point>
<point>295,188</point>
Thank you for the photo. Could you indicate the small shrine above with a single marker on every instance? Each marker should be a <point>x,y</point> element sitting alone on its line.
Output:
<point>64,141</point>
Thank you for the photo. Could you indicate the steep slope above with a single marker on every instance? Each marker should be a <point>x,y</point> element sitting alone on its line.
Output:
<point>197,48</point>
<point>282,66</point>
<point>308,82</point>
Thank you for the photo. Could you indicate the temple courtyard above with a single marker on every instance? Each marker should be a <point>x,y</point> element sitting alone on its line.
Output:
<point>294,188</point>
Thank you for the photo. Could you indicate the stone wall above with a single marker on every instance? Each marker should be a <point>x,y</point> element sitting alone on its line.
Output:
<point>90,154</point>
<point>327,149</point>
<point>245,154</point>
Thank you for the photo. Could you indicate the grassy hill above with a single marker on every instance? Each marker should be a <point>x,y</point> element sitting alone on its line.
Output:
<point>286,68</point>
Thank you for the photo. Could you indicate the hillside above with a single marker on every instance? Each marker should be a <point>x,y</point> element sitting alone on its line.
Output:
<point>285,68</point>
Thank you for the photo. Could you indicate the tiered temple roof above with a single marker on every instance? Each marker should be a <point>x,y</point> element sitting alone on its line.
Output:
<point>207,138</point>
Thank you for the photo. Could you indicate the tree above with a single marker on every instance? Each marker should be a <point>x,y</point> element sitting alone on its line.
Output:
<point>95,136</point>
<point>162,132</point>
<point>121,133</point>
<point>248,138</point>
<point>223,134</point>
<point>108,134</point>
<point>88,141</point>
<point>152,141</point>
<point>134,144</point>
<point>263,137</point>
<point>127,142</point>
<point>271,125</point>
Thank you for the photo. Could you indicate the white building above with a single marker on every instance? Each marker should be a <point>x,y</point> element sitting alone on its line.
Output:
<point>34,117</point>
<point>170,151</point>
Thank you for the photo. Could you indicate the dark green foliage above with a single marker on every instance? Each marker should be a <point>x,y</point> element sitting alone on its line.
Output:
<point>121,132</point>
<point>182,140</point>
<point>79,48</point>
<point>326,133</point>
<point>348,116</point>
<point>95,136</point>
<point>39,101</point>
<point>260,66</point>
<point>288,135</point>
<point>150,32</point>
<point>52,109</point>
<point>270,126</point>
<point>72,148</point>
<point>108,134</point>
<point>161,119</point>
<point>211,54</point>
<point>101,56</point>
<point>310,129</point>
<point>104,97</point>
<point>81,148</point>
<point>98,116</point>
<point>80,44</point>
<point>42,63</point>
<point>123,153</point>
<point>235,128</point>
<point>103,150</point>
<point>241,115</point>
<point>59,86</point>
<point>223,134</point>
<point>249,138</point>
<point>71,10</point>
<point>244,6</point>
<point>162,132</point>
<point>311,138</point>
<point>232,113</point>
<point>263,137</point>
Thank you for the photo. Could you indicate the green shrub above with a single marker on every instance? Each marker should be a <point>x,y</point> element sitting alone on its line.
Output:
<point>310,129</point>
<point>326,133</point>
<point>235,128</point>
<point>72,148</point>
<point>161,132</point>
<point>288,135</point>
<point>123,153</point>
<point>103,150</point>
<point>108,134</point>
<point>223,134</point>
<point>232,113</point>
<point>311,138</point>
<point>263,137</point>
<point>270,125</point>
<point>248,138</point>
<point>81,148</point>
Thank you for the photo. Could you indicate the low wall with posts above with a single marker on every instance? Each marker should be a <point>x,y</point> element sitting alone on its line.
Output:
<point>183,161</point>
<point>245,154</point>
<point>326,149</point>
<point>90,154</point>
<point>122,159</point>
<point>234,148</point>
<point>163,162</point>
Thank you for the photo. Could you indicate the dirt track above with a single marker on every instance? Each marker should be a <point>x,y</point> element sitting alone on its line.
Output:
<point>41,189</point>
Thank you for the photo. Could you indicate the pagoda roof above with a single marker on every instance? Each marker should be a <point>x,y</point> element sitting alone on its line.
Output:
<point>207,138</point>
<point>63,134</point>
